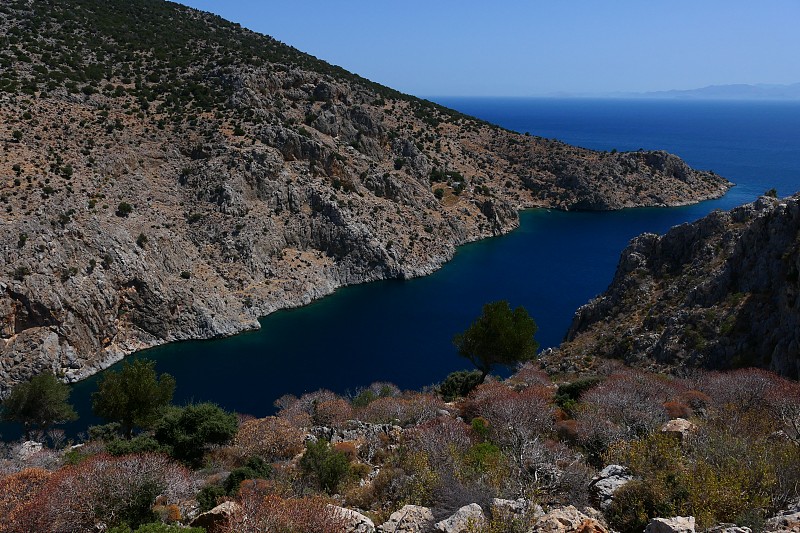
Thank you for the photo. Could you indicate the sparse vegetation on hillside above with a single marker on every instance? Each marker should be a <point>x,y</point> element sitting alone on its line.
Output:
<point>734,460</point>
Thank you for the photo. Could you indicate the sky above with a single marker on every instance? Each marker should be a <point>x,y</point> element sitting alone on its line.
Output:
<point>535,47</point>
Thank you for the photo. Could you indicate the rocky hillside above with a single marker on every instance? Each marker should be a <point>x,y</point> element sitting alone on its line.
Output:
<point>167,175</point>
<point>721,292</point>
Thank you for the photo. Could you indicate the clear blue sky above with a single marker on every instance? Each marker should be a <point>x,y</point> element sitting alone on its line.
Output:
<point>537,47</point>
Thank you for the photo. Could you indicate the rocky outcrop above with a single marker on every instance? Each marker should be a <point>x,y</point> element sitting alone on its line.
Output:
<point>567,520</point>
<point>518,507</point>
<point>606,483</point>
<point>678,524</point>
<point>786,521</point>
<point>728,528</point>
<point>236,176</point>
<point>679,428</point>
<point>216,520</point>
<point>718,293</point>
<point>468,518</point>
<point>409,519</point>
<point>355,522</point>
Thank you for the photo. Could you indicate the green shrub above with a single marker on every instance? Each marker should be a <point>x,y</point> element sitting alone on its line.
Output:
<point>209,496</point>
<point>187,431</point>
<point>327,466</point>
<point>255,468</point>
<point>105,432</point>
<point>124,209</point>
<point>138,444</point>
<point>459,384</point>
<point>569,393</point>
<point>637,502</point>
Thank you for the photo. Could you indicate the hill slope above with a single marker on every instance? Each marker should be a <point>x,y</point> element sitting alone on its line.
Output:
<point>168,175</point>
<point>721,292</point>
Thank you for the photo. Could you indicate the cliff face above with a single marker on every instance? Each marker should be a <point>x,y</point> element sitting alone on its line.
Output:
<point>167,175</point>
<point>718,293</point>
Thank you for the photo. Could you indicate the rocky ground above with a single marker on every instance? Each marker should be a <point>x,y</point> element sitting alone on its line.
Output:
<point>182,180</point>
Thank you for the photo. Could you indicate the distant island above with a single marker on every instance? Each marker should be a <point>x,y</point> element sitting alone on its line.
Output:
<point>736,91</point>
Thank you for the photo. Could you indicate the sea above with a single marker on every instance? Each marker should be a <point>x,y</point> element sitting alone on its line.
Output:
<point>401,331</point>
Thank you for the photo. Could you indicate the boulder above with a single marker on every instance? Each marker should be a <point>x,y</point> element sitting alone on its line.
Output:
<point>676,524</point>
<point>606,482</point>
<point>728,528</point>
<point>216,519</point>
<point>463,520</point>
<point>788,521</point>
<point>520,506</point>
<point>409,519</point>
<point>355,521</point>
<point>28,449</point>
<point>679,427</point>
<point>567,520</point>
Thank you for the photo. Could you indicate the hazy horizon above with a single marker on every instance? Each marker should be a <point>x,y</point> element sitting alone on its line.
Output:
<point>537,49</point>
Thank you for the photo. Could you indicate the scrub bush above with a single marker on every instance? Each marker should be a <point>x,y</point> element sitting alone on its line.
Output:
<point>271,438</point>
<point>263,511</point>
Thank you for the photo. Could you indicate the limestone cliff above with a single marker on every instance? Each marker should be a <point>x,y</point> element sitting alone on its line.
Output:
<point>167,175</point>
<point>721,292</point>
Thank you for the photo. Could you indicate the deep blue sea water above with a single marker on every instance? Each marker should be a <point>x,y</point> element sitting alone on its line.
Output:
<point>401,331</point>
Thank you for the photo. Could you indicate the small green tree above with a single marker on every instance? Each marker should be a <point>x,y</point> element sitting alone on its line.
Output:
<point>39,404</point>
<point>133,396</point>
<point>188,430</point>
<point>499,336</point>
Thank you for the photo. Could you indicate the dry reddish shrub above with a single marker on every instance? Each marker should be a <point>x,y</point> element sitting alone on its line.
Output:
<point>567,430</point>
<point>271,437</point>
<point>783,401</point>
<point>697,401</point>
<point>677,409</point>
<point>627,405</point>
<point>530,374</point>
<point>440,439</point>
<point>554,468</point>
<point>632,400</point>
<point>741,390</point>
<point>753,402</point>
<point>348,449</point>
<point>15,491</point>
<point>263,511</point>
<point>105,489</point>
<point>300,412</point>
<point>168,513</point>
<point>332,413</point>
<point>514,417</point>
<point>407,410</point>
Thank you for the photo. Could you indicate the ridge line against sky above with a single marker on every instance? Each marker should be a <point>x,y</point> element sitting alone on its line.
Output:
<point>537,48</point>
